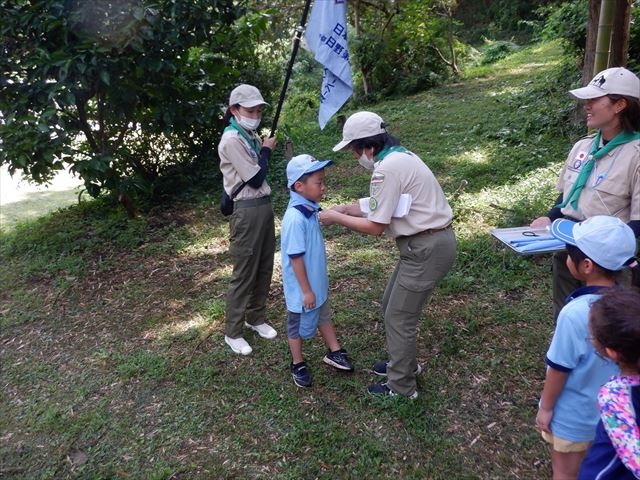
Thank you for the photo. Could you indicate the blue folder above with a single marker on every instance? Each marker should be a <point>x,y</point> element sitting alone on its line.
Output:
<point>527,240</point>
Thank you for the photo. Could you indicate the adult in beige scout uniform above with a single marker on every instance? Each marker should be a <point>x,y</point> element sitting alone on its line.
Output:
<point>601,175</point>
<point>244,161</point>
<point>424,237</point>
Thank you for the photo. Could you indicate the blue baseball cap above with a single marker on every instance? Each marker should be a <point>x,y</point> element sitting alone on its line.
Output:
<point>303,164</point>
<point>606,240</point>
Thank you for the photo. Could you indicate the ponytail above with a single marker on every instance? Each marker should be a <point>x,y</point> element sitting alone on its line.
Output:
<point>228,114</point>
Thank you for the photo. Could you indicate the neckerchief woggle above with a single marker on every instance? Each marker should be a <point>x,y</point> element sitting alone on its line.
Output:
<point>595,154</point>
<point>233,125</point>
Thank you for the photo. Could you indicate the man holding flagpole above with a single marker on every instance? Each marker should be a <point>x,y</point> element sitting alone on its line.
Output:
<point>326,37</point>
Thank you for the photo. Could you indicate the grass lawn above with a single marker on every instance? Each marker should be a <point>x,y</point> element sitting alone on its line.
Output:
<point>113,359</point>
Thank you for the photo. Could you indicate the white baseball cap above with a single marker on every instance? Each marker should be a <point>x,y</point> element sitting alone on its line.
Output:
<point>246,96</point>
<point>301,165</point>
<point>612,81</point>
<point>360,125</point>
<point>606,240</point>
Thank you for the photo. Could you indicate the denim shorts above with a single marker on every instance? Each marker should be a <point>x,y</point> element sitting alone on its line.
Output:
<point>293,320</point>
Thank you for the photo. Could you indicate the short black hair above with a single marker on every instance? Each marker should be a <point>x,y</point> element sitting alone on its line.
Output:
<point>578,255</point>
<point>302,179</point>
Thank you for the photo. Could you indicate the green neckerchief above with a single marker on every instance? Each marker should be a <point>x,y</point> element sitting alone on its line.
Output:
<point>387,150</point>
<point>594,155</point>
<point>252,141</point>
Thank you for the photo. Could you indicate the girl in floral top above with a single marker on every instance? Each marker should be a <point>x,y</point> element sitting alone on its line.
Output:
<point>614,321</point>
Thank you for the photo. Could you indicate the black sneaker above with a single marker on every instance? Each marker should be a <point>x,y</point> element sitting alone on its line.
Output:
<point>383,389</point>
<point>380,368</point>
<point>300,374</point>
<point>338,360</point>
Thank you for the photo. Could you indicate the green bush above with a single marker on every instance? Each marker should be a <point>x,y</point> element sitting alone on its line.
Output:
<point>497,50</point>
<point>568,23</point>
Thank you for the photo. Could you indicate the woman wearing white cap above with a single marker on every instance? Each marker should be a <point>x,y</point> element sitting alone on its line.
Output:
<point>424,238</point>
<point>601,175</point>
<point>244,161</point>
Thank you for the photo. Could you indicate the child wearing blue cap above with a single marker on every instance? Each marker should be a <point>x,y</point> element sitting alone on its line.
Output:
<point>568,412</point>
<point>304,268</point>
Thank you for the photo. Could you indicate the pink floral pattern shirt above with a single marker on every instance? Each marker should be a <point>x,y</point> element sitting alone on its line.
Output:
<point>620,421</point>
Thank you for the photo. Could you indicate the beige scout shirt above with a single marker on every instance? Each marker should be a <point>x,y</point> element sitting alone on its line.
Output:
<point>613,188</point>
<point>405,172</point>
<point>239,163</point>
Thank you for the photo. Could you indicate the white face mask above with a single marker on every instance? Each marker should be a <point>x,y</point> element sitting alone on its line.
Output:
<point>249,123</point>
<point>366,162</point>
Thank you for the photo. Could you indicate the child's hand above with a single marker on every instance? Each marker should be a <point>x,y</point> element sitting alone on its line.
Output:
<point>308,299</point>
<point>543,420</point>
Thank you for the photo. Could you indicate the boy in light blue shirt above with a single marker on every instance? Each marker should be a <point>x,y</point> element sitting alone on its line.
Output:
<point>597,249</point>
<point>304,268</point>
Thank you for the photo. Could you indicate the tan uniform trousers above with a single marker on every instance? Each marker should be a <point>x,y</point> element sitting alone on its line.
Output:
<point>424,260</point>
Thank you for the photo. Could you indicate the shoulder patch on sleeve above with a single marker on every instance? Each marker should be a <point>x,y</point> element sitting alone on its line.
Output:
<point>373,203</point>
<point>376,183</point>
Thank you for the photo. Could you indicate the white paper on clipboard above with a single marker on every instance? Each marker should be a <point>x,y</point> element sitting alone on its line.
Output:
<point>403,207</point>
<point>527,240</point>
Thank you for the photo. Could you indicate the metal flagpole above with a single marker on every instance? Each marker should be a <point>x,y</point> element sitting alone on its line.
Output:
<point>294,51</point>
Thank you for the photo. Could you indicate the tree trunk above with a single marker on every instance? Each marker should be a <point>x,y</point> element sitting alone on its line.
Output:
<point>592,36</point>
<point>620,34</point>
<point>452,49</point>
<point>358,29</point>
<point>128,204</point>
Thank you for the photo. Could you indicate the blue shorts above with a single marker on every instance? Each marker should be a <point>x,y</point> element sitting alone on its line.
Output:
<point>293,320</point>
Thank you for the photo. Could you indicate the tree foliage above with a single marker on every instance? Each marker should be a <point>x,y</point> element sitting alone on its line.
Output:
<point>130,92</point>
<point>573,22</point>
<point>125,91</point>
<point>404,46</point>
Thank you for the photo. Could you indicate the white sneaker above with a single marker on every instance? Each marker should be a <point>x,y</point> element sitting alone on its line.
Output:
<point>238,345</point>
<point>264,330</point>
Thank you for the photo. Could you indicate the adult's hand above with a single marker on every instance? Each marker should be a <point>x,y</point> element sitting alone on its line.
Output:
<point>269,142</point>
<point>352,209</point>
<point>356,223</point>
<point>540,222</point>
<point>342,208</point>
<point>327,217</point>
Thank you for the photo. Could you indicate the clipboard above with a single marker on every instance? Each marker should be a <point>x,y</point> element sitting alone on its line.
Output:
<point>518,239</point>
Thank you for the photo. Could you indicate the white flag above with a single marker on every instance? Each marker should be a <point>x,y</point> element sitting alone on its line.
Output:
<point>326,37</point>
